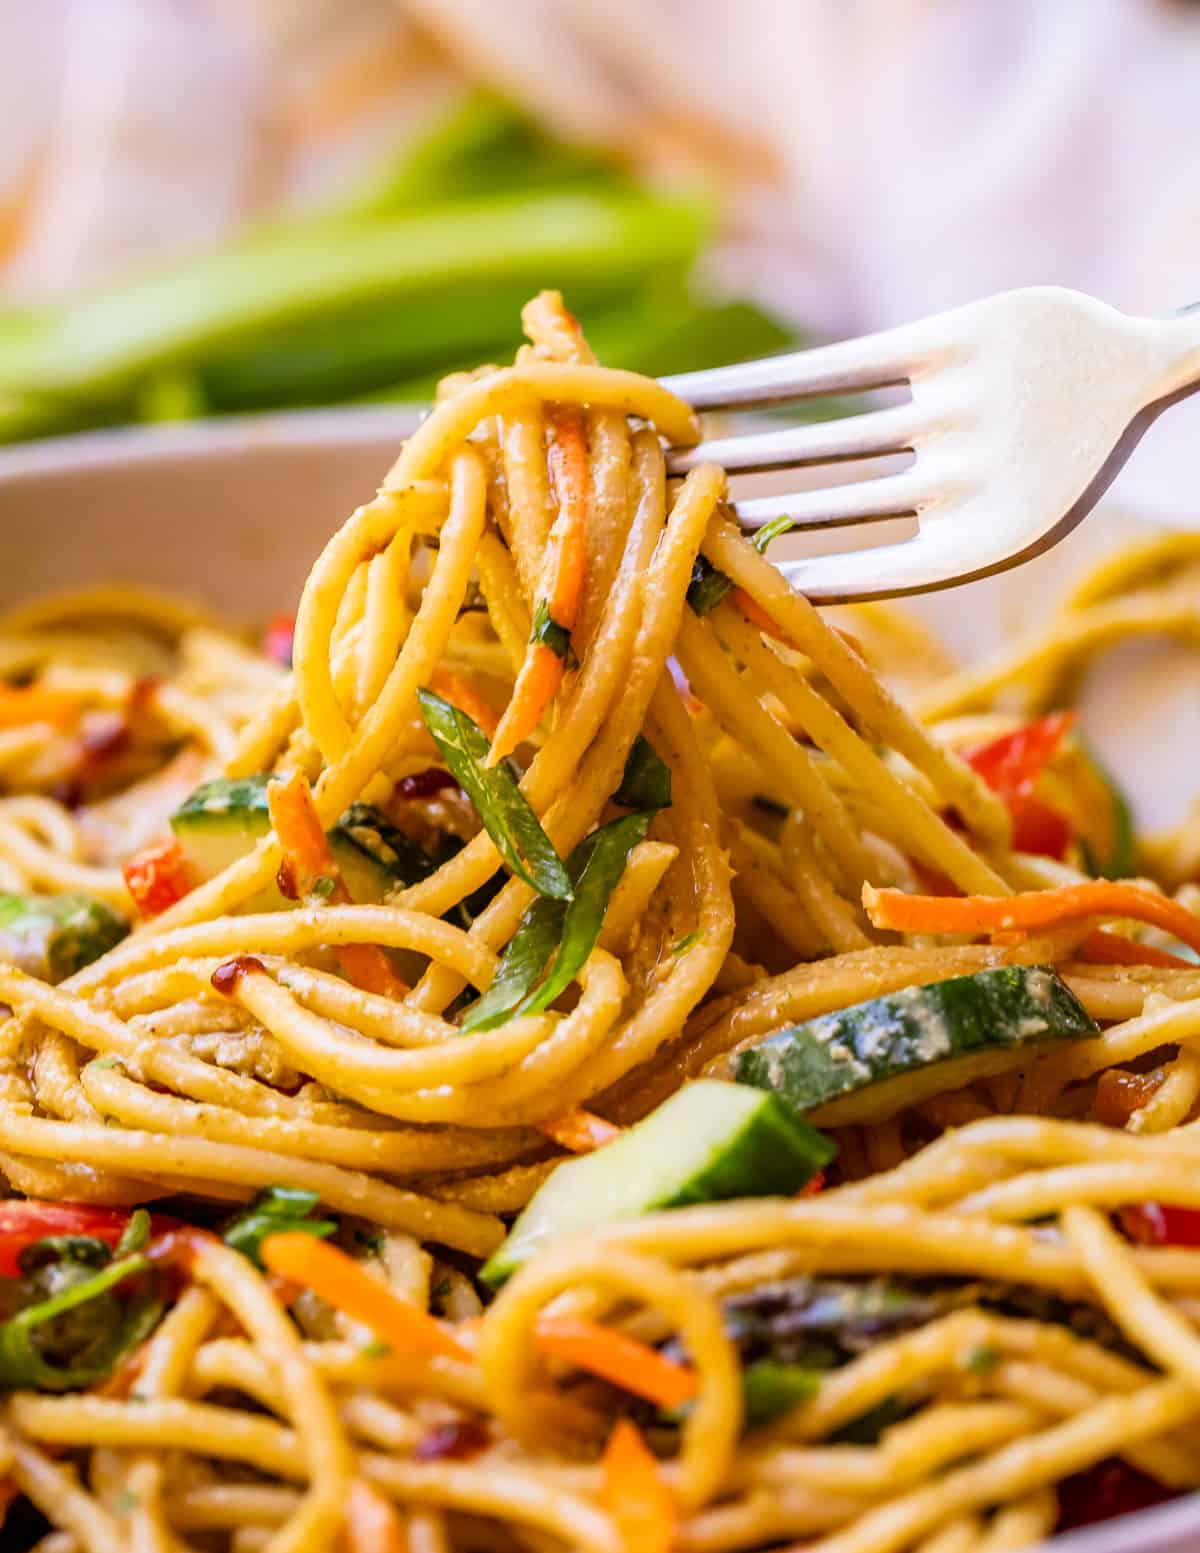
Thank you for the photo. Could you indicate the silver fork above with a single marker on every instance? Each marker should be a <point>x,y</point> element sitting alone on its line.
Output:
<point>1023,408</point>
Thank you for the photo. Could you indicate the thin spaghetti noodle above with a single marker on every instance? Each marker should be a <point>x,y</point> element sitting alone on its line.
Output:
<point>715,798</point>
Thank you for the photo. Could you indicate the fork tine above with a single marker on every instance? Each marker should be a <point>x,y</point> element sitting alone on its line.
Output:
<point>852,436</point>
<point>928,561</point>
<point>872,361</point>
<point>866,501</point>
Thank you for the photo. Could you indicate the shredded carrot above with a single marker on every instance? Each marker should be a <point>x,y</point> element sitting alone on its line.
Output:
<point>1105,948</point>
<point>539,677</point>
<point>372,1523</point>
<point>562,579</point>
<point>307,859</point>
<point>757,615</point>
<point>341,1282</point>
<point>1029,911</point>
<point>615,1357</point>
<point>580,1131</point>
<point>466,698</point>
<point>23,704</point>
<point>300,832</point>
<point>634,1494</point>
<point>813,1186</point>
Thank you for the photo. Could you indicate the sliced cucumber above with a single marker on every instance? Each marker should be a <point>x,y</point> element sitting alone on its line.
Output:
<point>709,1141</point>
<point>225,818</point>
<point>53,936</point>
<point>875,1058</point>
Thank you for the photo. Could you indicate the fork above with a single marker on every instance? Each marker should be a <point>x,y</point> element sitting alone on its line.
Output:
<point>1024,406</point>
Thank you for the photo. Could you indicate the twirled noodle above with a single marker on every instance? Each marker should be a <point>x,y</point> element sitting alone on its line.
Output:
<point>229,1045</point>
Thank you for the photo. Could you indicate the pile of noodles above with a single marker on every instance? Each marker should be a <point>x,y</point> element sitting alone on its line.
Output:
<point>135,1080</point>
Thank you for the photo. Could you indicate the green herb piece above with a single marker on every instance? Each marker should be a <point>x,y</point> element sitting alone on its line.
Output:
<point>549,633</point>
<point>376,1349</point>
<point>772,530</point>
<point>980,1359</point>
<point>594,867</point>
<point>646,780</point>
<point>501,805</point>
<point>136,1235</point>
<point>370,1242</point>
<point>686,942</point>
<point>770,1389</point>
<point>441,1288</point>
<point>707,587</point>
<point>521,964</point>
<point>598,863</point>
<point>276,1211</point>
<point>78,1335</point>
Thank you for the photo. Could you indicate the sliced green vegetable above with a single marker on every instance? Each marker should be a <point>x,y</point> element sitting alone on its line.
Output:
<point>1105,827</point>
<point>274,1211</point>
<point>226,817</point>
<point>878,1057</point>
<point>646,780</point>
<point>704,1144</point>
<point>53,936</point>
<point>501,805</point>
<point>595,866</point>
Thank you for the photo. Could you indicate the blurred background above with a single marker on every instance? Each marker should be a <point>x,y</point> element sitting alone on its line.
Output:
<point>220,206</point>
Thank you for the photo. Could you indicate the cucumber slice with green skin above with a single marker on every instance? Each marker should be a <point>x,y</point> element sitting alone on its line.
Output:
<point>53,936</point>
<point>871,1060</point>
<point>708,1142</point>
<point>224,819</point>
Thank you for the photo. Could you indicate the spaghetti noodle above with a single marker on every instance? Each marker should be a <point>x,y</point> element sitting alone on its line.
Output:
<point>386,985</point>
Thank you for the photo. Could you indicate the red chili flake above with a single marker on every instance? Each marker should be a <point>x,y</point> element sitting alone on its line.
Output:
<point>1108,1489</point>
<point>227,975</point>
<point>425,784</point>
<point>457,1441</point>
<point>285,878</point>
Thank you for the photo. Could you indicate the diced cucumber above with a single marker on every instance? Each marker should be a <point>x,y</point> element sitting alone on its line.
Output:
<point>53,936</point>
<point>224,819</point>
<point>873,1059</point>
<point>709,1141</point>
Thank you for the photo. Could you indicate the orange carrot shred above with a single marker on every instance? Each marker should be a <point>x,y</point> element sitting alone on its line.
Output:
<point>1029,911</point>
<point>580,1131</point>
<point>561,585</point>
<point>615,1357</point>
<point>466,698</point>
<point>308,859</point>
<point>539,677</point>
<point>1106,948</point>
<point>372,1522</point>
<point>634,1493</point>
<point>341,1282</point>
<point>24,704</point>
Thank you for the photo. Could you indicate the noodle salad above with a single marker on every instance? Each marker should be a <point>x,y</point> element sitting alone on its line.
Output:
<point>564,1046</point>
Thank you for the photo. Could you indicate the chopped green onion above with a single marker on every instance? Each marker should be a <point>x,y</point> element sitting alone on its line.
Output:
<point>646,780</point>
<point>501,805</point>
<point>770,531</point>
<point>707,587</point>
<point>274,1211</point>
<point>595,866</point>
<point>549,633</point>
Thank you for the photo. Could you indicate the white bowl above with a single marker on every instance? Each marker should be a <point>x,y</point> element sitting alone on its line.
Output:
<point>234,512</point>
